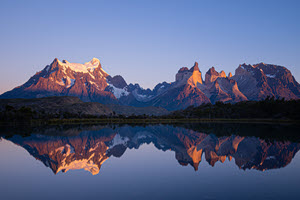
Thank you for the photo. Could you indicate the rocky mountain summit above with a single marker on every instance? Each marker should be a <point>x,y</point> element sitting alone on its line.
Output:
<point>91,83</point>
<point>262,80</point>
<point>86,81</point>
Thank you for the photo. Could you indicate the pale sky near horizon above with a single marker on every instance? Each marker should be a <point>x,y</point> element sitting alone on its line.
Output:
<point>147,41</point>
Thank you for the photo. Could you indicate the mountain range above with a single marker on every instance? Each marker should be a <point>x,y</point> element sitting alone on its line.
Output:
<point>91,83</point>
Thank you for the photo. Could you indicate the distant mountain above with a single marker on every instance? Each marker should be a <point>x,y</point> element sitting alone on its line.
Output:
<point>261,80</point>
<point>91,83</point>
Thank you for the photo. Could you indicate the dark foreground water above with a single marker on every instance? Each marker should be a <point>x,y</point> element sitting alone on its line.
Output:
<point>151,162</point>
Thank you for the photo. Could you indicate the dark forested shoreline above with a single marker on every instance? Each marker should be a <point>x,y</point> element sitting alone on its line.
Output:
<point>270,108</point>
<point>268,132</point>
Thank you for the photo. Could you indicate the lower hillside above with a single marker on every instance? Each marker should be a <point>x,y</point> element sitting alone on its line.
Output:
<point>122,110</point>
<point>50,107</point>
<point>61,108</point>
<point>69,107</point>
<point>269,108</point>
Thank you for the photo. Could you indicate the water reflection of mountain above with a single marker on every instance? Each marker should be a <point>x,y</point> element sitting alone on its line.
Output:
<point>89,149</point>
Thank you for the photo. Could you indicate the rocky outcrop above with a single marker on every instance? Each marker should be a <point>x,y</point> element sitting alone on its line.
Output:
<point>226,90</point>
<point>191,76</point>
<point>212,75</point>
<point>180,97</point>
<point>118,81</point>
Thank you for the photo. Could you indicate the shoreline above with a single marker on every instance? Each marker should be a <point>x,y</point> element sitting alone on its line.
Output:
<point>35,122</point>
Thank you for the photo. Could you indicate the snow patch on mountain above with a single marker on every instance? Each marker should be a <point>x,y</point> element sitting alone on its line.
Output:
<point>70,149</point>
<point>52,72</point>
<point>118,140</point>
<point>118,92</point>
<point>71,82</point>
<point>141,97</point>
<point>47,68</point>
<point>270,75</point>
<point>61,82</point>
<point>270,157</point>
<point>84,68</point>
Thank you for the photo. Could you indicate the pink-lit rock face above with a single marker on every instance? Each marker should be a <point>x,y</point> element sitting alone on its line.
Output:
<point>86,81</point>
<point>191,76</point>
<point>212,75</point>
<point>261,80</point>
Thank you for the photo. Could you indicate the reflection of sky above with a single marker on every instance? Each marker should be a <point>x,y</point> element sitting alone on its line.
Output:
<point>146,172</point>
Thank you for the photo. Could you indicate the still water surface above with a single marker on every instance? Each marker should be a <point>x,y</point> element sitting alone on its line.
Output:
<point>151,162</point>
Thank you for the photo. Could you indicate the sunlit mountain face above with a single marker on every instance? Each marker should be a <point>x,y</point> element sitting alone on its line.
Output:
<point>89,148</point>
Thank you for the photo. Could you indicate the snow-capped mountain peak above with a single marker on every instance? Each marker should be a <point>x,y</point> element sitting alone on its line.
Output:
<point>84,68</point>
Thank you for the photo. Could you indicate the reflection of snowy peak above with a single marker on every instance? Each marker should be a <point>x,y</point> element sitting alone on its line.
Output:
<point>68,153</point>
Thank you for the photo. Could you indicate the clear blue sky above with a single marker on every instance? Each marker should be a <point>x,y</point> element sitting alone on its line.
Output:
<point>147,41</point>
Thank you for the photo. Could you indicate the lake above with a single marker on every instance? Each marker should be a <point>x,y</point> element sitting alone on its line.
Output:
<point>202,161</point>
